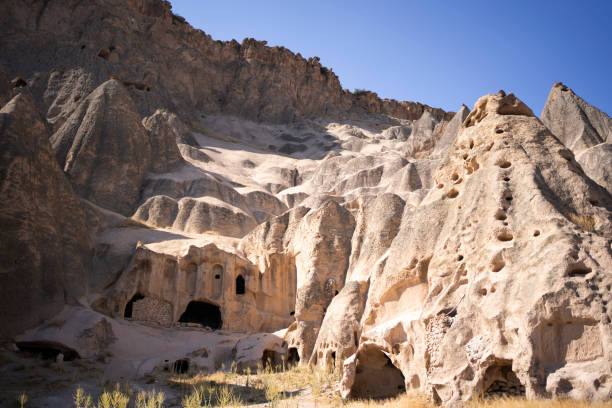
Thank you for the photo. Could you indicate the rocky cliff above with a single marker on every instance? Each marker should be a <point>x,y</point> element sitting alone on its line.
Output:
<point>159,185</point>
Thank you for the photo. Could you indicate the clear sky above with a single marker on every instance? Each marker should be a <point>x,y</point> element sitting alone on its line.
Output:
<point>439,52</point>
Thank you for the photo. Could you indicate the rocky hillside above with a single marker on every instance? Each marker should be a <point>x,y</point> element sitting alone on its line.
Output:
<point>167,197</point>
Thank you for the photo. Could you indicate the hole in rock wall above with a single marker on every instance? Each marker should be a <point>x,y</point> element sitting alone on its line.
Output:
<point>218,282</point>
<point>293,357</point>
<point>292,314</point>
<point>500,381</point>
<point>19,82</point>
<point>204,313</point>
<point>130,305</point>
<point>104,53</point>
<point>578,269</point>
<point>376,376</point>
<point>271,359</point>
<point>180,366</point>
<point>240,285</point>
<point>47,350</point>
<point>504,235</point>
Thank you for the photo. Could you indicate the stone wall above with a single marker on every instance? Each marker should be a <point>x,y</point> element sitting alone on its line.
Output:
<point>152,309</point>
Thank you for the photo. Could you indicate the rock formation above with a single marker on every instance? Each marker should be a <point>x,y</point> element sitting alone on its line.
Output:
<point>45,248</point>
<point>224,202</point>
<point>584,129</point>
<point>471,299</point>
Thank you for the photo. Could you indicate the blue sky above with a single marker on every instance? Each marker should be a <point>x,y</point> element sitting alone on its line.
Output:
<point>442,53</point>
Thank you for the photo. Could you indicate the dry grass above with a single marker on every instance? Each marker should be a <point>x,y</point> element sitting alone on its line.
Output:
<point>295,387</point>
<point>586,222</point>
<point>302,387</point>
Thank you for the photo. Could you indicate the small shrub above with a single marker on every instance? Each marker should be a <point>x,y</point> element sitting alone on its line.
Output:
<point>151,399</point>
<point>360,92</point>
<point>272,391</point>
<point>23,398</point>
<point>81,400</point>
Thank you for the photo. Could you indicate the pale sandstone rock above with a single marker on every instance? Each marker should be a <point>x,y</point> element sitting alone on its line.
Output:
<point>377,223</point>
<point>577,124</point>
<point>260,350</point>
<point>596,162</point>
<point>418,254</point>
<point>166,132</point>
<point>583,129</point>
<point>507,304</point>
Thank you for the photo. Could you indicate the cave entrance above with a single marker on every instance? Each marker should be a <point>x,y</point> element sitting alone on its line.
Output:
<point>129,307</point>
<point>500,381</point>
<point>376,377</point>
<point>270,359</point>
<point>180,366</point>
<point>47,350</point>
<point>293,357</point>
<point>204,313</point>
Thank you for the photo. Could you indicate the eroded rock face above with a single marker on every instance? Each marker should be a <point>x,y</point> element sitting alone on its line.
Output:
<point>583,129</point>
<point>577,124</point>
<point>247,79</point>
<point>493,262</point>
<point>457,255</point>
<point>596,162</point>
<point>98,145</point>
<point>45,247</point>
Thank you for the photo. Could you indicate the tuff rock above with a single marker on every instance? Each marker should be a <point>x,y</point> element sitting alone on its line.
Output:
<point>169,201</point>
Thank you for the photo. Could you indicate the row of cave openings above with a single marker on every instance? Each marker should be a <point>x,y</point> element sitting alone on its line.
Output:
<point>385,380</point>
<point>269,358</point>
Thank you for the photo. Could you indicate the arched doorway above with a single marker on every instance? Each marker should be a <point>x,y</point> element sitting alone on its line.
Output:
<point>204,313</point>
<point>240,285</point>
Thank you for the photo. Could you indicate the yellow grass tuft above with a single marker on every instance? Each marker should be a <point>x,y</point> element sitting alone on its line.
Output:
<point>586,222</point>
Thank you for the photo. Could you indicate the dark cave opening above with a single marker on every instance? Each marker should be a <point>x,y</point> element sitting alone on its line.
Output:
<point>129,306</point>
<point>376,376</point>
<point>47,350</point>
<point>293,357</point>
<point>240,285</point>
<point>270,359</point>
<point>206,314</point>
<point>501,381</point>
<point>180,366</point>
